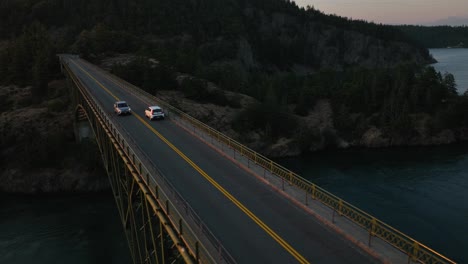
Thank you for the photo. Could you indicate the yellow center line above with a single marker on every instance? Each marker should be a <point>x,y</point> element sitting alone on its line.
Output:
<point>244,209</point>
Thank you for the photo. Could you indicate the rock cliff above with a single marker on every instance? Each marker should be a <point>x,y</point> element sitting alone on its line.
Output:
<point>38,153</point>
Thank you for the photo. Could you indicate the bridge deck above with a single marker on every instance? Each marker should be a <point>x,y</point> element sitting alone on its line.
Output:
<point>254,223</point>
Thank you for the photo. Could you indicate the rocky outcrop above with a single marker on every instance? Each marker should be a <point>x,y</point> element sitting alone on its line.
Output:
<point>374,138</point>
<point>38,153</point>
<point>284,147</point>
<point>119,59</point>
<point>325,46</point>
<point>218,117</point>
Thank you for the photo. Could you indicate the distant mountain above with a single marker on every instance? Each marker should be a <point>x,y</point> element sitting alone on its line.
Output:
<point>450,21</point>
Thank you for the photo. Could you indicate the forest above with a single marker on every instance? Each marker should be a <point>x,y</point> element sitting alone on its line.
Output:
<point>437,36</point>
<point>244,46</point>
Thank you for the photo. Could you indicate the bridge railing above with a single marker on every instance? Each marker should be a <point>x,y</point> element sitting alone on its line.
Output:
<point>164,190</point>
<point>184,220</point>
<point>415,250</point>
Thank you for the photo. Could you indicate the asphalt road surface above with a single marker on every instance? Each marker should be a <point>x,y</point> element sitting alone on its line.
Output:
<point>276,231</point>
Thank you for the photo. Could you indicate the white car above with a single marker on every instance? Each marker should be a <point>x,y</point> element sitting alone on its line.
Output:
<point>154,112</point>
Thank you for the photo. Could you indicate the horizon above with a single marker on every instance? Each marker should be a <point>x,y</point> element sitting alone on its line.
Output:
<point>396,12</point>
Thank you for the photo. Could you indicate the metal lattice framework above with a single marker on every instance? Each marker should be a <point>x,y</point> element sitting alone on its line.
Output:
<point>159,224</point>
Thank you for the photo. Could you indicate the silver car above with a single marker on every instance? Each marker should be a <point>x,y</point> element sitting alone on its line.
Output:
<point>122,108</point>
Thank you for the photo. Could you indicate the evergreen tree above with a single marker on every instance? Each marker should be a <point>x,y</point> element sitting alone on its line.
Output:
<point>450,84</point>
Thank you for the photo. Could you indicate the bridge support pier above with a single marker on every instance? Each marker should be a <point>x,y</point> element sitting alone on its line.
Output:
<point>83,131</point>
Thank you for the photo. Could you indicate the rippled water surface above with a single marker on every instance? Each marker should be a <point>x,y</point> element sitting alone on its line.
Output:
<point>420,191</point>
<point>61,229</point>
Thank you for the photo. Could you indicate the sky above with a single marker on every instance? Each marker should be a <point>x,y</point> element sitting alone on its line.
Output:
<point>395,11</point>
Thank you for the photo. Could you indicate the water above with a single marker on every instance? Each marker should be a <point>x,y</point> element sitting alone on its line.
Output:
<point>61,229</point>
<point>454,61</point>
<point>420,191</point>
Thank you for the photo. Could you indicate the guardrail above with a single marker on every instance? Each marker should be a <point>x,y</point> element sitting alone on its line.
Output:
<point>184,220</point>
<point>415,250</point>
<point>167,192</point>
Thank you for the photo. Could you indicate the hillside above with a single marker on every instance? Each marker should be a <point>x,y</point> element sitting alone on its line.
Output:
<point>278,33</point>
<point>314,80</point>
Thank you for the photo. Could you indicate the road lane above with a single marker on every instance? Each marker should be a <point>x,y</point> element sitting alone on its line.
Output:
<point>302,231</point>
<point>202,196</point>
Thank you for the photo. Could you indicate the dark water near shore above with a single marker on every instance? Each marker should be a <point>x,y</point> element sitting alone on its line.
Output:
<point>61,229</point>
<point>420,191</point>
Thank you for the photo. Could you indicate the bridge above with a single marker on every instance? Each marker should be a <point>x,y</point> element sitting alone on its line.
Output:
<point>187,193</point>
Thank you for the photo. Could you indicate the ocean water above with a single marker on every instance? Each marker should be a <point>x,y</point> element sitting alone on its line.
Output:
<point>420,191</point>
<point>61,229</point>
<point>454,61</point>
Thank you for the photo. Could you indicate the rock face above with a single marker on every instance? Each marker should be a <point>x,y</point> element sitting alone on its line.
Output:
<point>325,46</point>
<point>374,138</point>
<point>38,153</point>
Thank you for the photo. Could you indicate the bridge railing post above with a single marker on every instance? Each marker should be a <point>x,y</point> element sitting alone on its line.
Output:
<point>340,207</point>
<point>180,228</point>
<point>372,229</point>
<point>414,253</point>
<point>197,252</point>
<point>167,207</point>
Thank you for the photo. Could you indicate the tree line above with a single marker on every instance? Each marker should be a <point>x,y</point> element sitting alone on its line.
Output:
<point>30,59</point>
<point>437,36</point>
